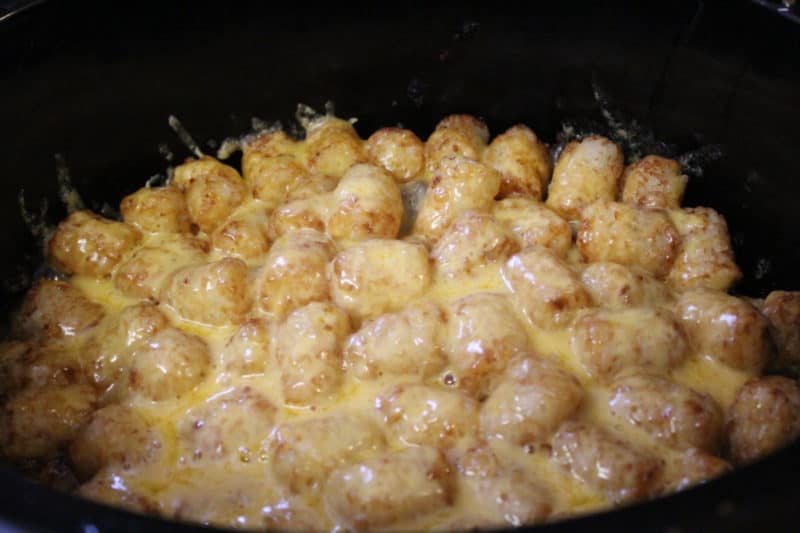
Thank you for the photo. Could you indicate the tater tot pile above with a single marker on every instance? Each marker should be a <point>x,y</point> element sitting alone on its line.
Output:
<point>391,333</point>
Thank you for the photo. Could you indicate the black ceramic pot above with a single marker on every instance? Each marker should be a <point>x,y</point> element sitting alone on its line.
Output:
<point>96,83</point>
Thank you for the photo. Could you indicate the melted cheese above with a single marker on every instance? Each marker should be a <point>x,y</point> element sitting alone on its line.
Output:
<point>241,490</point>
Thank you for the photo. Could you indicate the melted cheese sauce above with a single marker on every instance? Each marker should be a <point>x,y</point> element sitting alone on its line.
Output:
<point>242,490</point>
<point>244,487</point>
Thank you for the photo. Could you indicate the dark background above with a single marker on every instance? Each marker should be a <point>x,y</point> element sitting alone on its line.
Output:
<point>96,81</point>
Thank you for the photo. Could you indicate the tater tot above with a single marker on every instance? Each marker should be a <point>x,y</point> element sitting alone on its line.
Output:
<point>782,310</point>
<point>215,293</point>
<point>15,359</point>
<point>607,341</point>
<point>472,240</point>
<point>109,488</point>
<point>244,236</point>
<point>268,144</point>
<point>474,128</point>
<point>85,243</point>
<point>213,191</point>
<point>585,172</point>
<point>114,435</point>
<point>366,203</point>
<point>705,257</point>
<point>144,273</point>
<point>690,468</point>
<point>671,413</point>
<point>229,424</point>
<point>168,365</point>
<point>212,198</point>
<point>228,505</point>
<point>250,349</point>
<point>312,185</point>
<point>534,396</point>
<point>305,213</point>
<point>764,417</point>
<point>294,272</point>
<point>458,185</point>
<point>397,343</point>
<point>397,150</point>
<point>603,461</point>
<point>309,351</point>
<point>292,515</point>
<point>388,489</point>
<point>378,276</point>
<point>333,146</point>
<point>271,168</point>
<point>445,142</point>
<point>654,181</point>
<point>38,421</point>
<point>156,209</point>
<point>522,159</point>
<point>41,365</point>
<point>271,178</point>
<point>616,286</point>
<point>461,135</point>
<point>418,414</point>
<point>615,232</point>
<point>55,309</point>
<point>306,451</point>
<point>109,349</point>
<point>534,224</point>
<point>725,328</point>
<point>480,336</point>
<point>543,287</point>
<point>192,170</point>
<point>500,492</point>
